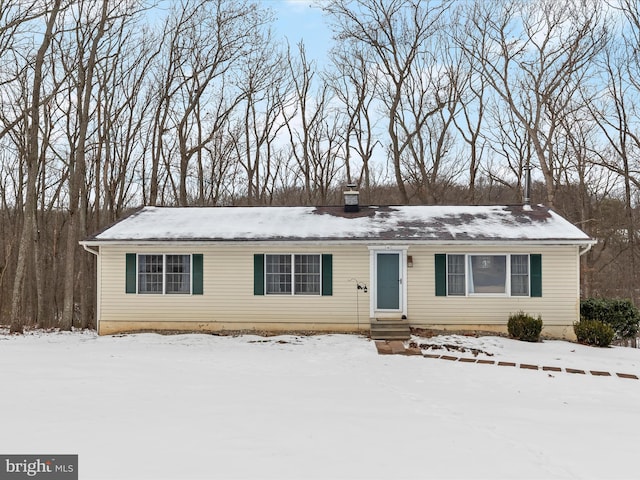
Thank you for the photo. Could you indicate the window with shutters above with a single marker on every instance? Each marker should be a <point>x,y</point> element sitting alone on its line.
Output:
<point>488,275</point>
<point>164,274</point>
<point>297,274</point>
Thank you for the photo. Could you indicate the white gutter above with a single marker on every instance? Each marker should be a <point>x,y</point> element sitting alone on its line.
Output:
<point>98,285</point>
<point>86,247</point>
<point>324,241</point>
<point>586,248</point>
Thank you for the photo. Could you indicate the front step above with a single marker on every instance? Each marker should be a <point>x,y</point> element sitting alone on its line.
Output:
<point>390,330</point>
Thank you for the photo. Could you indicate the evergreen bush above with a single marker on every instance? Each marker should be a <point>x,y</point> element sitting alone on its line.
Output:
<point>621,315</point>
<point>524,327</point>
<point>593,332</point>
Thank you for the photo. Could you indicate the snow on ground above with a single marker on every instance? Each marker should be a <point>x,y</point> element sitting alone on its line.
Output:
<point>324,407</point>
<point>553,353</point>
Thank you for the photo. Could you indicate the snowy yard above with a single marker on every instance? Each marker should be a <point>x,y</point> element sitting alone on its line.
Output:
<point>326,407</point>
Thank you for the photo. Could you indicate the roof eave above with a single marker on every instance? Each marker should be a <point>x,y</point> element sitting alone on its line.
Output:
<point>338,241</point>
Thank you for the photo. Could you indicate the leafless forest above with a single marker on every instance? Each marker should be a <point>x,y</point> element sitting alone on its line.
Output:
<point>107,105</point>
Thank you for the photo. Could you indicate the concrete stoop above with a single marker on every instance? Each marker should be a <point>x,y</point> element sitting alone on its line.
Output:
<point>390,330</point>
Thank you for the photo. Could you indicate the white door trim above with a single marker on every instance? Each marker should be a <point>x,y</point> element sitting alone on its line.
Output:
<point>401,250</point>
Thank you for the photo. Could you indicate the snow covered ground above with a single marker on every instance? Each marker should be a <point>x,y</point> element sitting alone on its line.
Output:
<point>325,407</point>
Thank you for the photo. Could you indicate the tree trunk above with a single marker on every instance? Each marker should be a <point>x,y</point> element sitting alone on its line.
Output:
<point>29,233</point>
<point>77,174</point>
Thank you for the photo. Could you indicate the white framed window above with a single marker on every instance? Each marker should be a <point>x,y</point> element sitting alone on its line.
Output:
<point>178,273</point>
<point>307,274</point>
<point>456,277</point>
<point>150,273</point>
<point>278,274</point>
<point>488,275</point>
<point>520,275</point>
<point>164,274</point>
<point>293,274</point>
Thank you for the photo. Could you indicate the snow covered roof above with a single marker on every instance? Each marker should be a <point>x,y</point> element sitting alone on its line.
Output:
<point>432,223</point>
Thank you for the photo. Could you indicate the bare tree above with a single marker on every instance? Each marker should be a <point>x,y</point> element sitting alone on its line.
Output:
<point>88,30</point>
<point>266,104</point>
<point>428,146</point>
<point>615,111</point>
<point>103,108</point>
<point>471,92</point>
<point>204,42</point>
<point>397,35</point>
<point>355,87</point>
<point>510,150</point>
<point>122,109</point>
<point>29,237</point>
<point>315,131</point>
<point>534,56</point>
<point>15,18</point>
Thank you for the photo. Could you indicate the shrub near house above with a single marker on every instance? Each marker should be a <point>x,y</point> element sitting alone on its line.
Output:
<point>621,315</point>
<point>593,332</point>
<point>524,327</point>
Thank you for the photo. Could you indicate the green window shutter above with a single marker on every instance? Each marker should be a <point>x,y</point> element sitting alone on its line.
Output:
<point>131,273</point>
<point>535,273</point>
<point>441,274</point>
<point>196,265</point>
<point>258,274</point>
<point>327,274</point>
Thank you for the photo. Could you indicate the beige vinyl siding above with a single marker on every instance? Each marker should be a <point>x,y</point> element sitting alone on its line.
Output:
<point>559,304</point>
<point>228,302</point>
<point>228,289</point>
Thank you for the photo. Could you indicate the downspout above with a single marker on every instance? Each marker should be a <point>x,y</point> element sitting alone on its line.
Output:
<point>581,252</point>
<point>98,286</point>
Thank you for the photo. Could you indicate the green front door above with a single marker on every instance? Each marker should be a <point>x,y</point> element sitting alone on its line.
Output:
<point>388,281</point>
